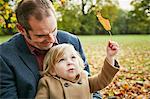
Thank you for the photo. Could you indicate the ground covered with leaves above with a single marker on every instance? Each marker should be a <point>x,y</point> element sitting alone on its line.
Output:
<point>133,79</point>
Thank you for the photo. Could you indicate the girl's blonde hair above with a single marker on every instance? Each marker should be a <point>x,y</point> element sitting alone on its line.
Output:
<point>54,55</point>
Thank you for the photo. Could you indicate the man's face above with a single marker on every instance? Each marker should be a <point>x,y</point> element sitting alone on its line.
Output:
<point>43,33</point>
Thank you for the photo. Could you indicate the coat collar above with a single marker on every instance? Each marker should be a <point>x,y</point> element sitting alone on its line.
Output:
<point>79,80</point>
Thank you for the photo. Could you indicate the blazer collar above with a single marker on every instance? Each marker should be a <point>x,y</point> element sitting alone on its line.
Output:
<point>26,56</point>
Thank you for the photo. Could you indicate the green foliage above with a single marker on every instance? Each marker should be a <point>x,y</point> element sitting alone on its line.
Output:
<point>7,18</point>
<point>120,25</point>
<point>73,20</point>
<point>80,18</point>
<point>139,17</point>
<point>113,16</point>
<point>71,23</point>
<point>88,24</point>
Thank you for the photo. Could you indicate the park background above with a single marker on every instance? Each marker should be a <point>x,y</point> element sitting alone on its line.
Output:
<point>130,28</point>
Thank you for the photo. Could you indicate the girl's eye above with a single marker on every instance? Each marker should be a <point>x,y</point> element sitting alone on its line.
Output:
<point>61,60</point>
<point>73,57</point>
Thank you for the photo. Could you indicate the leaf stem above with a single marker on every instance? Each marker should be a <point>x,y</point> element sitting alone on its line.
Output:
<point>110,34</point>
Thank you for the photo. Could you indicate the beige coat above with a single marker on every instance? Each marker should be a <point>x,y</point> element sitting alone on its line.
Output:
<point>57,88</point>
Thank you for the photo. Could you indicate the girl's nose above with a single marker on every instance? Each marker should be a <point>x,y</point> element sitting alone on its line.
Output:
<point>70,62</point>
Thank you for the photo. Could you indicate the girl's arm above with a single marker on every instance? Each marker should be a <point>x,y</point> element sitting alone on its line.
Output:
<point>103,78</point>
<point>109,69</point>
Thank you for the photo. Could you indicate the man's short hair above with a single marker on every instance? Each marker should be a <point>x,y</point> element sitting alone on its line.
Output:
<point>36,8</point>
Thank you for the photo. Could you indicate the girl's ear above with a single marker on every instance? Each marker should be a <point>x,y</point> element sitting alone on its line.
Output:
<point>52,72</point>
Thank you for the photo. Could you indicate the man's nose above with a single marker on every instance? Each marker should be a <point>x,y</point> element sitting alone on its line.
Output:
<point>51,37</point>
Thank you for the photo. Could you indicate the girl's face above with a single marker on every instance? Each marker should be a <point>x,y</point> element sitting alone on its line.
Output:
<point>67,66</point>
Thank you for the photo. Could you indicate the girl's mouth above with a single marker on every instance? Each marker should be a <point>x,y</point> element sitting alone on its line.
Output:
<point>71,70</point>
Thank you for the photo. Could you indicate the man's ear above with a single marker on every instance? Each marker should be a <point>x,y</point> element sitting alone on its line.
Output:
<point>20,28</point>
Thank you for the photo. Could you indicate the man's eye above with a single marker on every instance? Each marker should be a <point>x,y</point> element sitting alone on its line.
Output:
<point>61,60</point>
<point>39,35</point>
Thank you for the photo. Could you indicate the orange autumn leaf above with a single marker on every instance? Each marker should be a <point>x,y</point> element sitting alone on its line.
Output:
<point>125,86</point>
<point>104,22</point>
<point>62,2</point>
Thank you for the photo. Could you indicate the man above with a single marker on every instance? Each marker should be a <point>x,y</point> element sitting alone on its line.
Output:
<point>21,57</point>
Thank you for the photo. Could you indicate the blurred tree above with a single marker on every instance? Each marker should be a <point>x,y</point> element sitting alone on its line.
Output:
<point>73,17</point>
<point>112,15</point>
<point>139,17</point>
<point>120,24</point>
<point>7,17</point>
<point>68,20</point>
<point>80,17</point>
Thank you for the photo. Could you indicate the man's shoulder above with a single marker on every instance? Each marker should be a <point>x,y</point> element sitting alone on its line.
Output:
<point>66,37</point>
<point>10,44</point>
<point>12,39</point>
<point>65,34</point>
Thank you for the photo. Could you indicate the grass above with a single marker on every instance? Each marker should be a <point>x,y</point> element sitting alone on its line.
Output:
<point>129,44</point>
<point>133,80</point>
<point>4,38</point>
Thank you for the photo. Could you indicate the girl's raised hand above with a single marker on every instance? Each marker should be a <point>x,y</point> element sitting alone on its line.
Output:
<point>112,48</point>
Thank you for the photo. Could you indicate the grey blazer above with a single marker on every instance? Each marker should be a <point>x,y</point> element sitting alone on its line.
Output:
<point>19,73</point>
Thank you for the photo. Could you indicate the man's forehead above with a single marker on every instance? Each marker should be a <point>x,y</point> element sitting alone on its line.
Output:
<point>45,24</point>
<point>45,32</point>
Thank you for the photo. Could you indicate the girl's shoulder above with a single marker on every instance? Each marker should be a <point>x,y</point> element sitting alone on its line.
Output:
<point>46,77</point>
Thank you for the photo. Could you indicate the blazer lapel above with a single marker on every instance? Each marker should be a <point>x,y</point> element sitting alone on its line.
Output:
<point>26,56</point>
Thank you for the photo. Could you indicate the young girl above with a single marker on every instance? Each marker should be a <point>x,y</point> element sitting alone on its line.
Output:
<point>64,77</point>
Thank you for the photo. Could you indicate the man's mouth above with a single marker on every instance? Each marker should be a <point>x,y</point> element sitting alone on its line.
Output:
<point>46,43</point>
